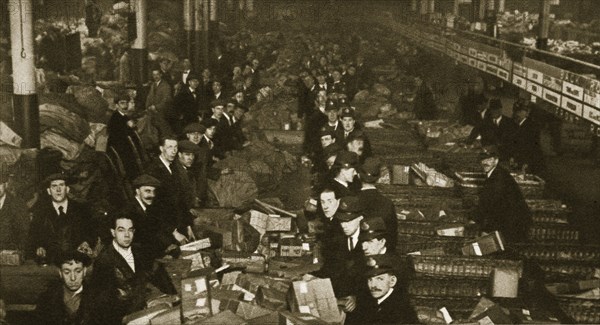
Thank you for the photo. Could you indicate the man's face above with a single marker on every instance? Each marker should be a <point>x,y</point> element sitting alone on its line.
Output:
<point>255,64</point>
<point>123,106</point>
<point>326,140</point>
<point>123,232</point>
<point>347,174</point>
<point>186,158</point>
<point>495,113</point>
<point>238,113</point>
<point>309,82</point>
<point>330,161</point>
<point>373,246</point>
<point>146,194</point>
<point>520,115</point>
<point>58,190</point>
<point>230,108</point>
<point>217,111</point>
<point>321,78</point>
<point>194,83</point>
<point>3,189</point>
<point>187,65</point>
<point>206,74</point>
<point>216,87</point>
<point>169,150</point>
<point>156,76</point>
<point>488,164</point>
<point>210,132</point>
<point>352,71</point>
<point>164,65</point>
<point>239,96</point>
<point>350,227</point>
<point>348,123</point>
<point>332,115</point>
<point>357,146</point>
<point>329,203</point>
<point>336,75</point>
<point>322,97</point>
<point>195,137</point>
<point>72,274</point>
<point>379,285</point>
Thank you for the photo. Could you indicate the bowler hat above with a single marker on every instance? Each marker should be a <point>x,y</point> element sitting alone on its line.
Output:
<point>346,159</point>
<point>145,180</point>
<point>349,209</point>
<point>187,146</point>
<point>372,228</point>
<point>194,127</point>
<point>370,170</point>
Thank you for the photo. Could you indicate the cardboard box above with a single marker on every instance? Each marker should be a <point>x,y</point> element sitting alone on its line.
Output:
<point>271,298</point>
<point>11,257</point>
<point>252,282</point>
<point>195,295</point>
<point>270,319</point>
<point>533,316</point>
<point>245,294</point>
<point>219,237</point>
<point>315,297</point>
<point>144,316</point>
<point>263,222</point>
<point>292,268</point>
<point>168,317</point>
<point>400,174</point>
<point>487,312</point>
<point>224,317</point>
<point>505,282</point>
<point>291,247</point>
<point>451,231</point>
<point>196,258</point>
<point>484,245</point>
<point>294,318</point>
<point>316,227</point>
<point>572,287</point>
<point>227,292</point>
<point>252,263</point>
<point>243,309</point>
<point>196,245</point>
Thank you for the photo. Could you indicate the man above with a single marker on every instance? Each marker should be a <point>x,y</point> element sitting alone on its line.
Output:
<point>315,121</point>
<point>498,130</point>
<point>338,85</point>
<point>208,142</point>
<point>526,148</point>
<point>165,69</point>
<point>14,218</point>
<point>119,278</point>
<point>223,136</point>
<point>343,171</point>
<point>388,302</point>
<point>119,127</point>
<point>333,113</point>
<point>307,96</point>
<point>468,103</point>
<point>60,224</point>
<point>327,207</point>
<point>502,206</point>
<point>350,129</point>
<point>186,71</point>
<point>194,132</point>
<point>351,81</point>
<point>159,102</point>
<point>187,104</point>
<point>321,81</point>
<point>425,107</point>
<point>170,195</point>
<point>186,156</point>
<point>377,205</point>
<point>478,118</point>
<point>67,301</point>
<point>239,140</point>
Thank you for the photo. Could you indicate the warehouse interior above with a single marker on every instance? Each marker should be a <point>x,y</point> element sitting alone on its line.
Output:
<point>299,162</point>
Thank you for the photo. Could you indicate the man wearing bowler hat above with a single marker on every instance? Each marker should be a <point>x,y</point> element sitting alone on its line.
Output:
<point>187,103</point>
<point>184,164</point>
<point>59,223</point>
<point>501,206</point>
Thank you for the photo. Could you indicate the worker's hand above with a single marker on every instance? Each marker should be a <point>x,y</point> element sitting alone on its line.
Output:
<point>190,233</point>
<point>181,239</point>
<point>131,124</point>
<point>41,252</point>
<point>152,108</point>
<point>171,248</point>
<point>307,277</point>
<point>350,304</point>
<point>226,171</point>
<point>310,205</point>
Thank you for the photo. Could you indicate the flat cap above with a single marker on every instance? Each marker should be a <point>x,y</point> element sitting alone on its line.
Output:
<point>187,146</point>
<point>350,208</point>
<point>325,131</point>
<point>194,127</point>
<point>210,122</point>
<point>57,177</point>
<point>379,264</point>
<point>372,228</point>
<point>370,170</point>
<point>331,150</point>
<point>218,102</point>
<point>346,159</point>
<point>192,76</point>
<point>145,180</point>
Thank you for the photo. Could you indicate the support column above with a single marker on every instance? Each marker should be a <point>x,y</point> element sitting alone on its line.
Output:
<point>139,47</point>
<point>188,26</point>
<point>501,5</point>
<point>250,8</point>
<point>213,28</point>
<point>456,8</point>
<point>430,6</point>
<point>198,27</point>
<point>413,5</point>
<point>544,25</point>
<point>490,13</point>
<point>25,101</point>
<point>205,32</point>
<point>482,7</point>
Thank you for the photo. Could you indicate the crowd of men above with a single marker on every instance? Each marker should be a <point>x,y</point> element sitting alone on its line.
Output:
<point>198,125</point>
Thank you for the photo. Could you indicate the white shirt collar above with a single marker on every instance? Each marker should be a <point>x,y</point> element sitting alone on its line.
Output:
<point>2,199</point>
<point>141,203</point>
<point>366,186</point>
<point>489,174</point>
<point>382,299</point>
<point>64,204</point>
<point>341,182</point>
<point>166,163</point>
<point>482,113</point>
<point>523,121</point>
<point>354,237</point>
<point>335,125</point>
<point>126,254</point>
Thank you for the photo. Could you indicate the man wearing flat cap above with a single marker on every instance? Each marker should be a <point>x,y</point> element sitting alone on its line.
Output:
<point>376,204</point>
<point>388,302</point>
<point>186,156</point>
<point>194,132</point>
<point>14,217</point>
<point>187,104</point>
<point>501,206</point>
<point>344,172</point>
<point>208,141</point>
<point>59,223</point>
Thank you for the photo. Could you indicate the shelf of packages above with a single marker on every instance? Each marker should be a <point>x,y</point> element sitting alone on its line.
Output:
<point>425,202</point>
<point>407,158</point>
<point>553,232</point>
<point>562,253</point>
<point>568,271</point>
<point>460,308</point>
<point>388,189</point>
<point>582,311</point>
<point>431,246</point>
<point>448,287</point>
<point>430,228</point>
<point>477,267</point>
<point>431,214</point>
<point>531,186</point>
